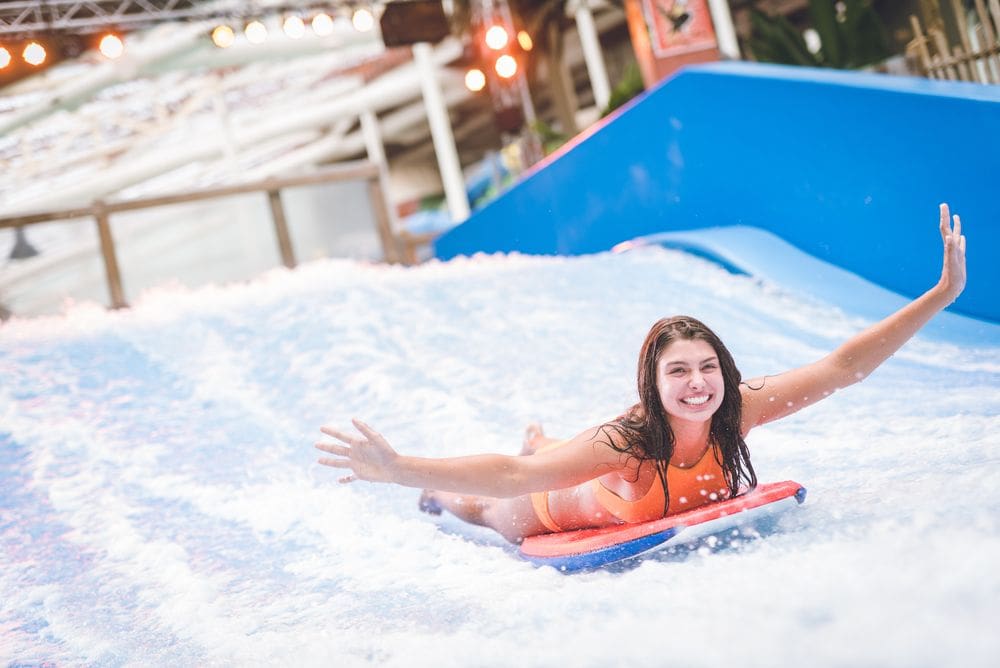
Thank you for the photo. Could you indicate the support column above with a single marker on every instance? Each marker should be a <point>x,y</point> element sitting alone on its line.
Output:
<point>444,140</point>
<point>591,43</point>
<point>725,33</point>
<point>114,277</point>
<point>386,221</point>
<point>281,228</point>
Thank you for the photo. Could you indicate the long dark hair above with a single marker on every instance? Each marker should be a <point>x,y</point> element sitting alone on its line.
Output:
<point>644,430</point>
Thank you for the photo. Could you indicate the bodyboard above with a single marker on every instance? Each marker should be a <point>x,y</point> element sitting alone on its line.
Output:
<point>589,549</point>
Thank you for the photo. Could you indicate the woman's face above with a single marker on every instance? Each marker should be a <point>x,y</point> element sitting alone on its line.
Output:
<point>689,380</point>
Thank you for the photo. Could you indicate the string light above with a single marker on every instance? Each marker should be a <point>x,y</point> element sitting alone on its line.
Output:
<point>363,20</point>
<point>524,39</point>
<point>4,57</point>
<point>34,54</point>
<point>111,46</point>
<point>294,27</point>
<point>256,32</point>
<point>322,24</point>
<point>506,66</point>
<point>496,37</point>
<point>475,80</point>
<point>223,36</point>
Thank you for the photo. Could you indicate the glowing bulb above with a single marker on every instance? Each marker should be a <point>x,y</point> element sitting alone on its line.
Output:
<point>506,66</point>
<point>475,80</point>
<point>363,20</point>
<point>223,36</point>
<point>524,39</point>
<point>34,54</point>
<point>322,24</point>
<point>496,37</point>
<point>294,27</point>
<point>4,57</point>
<point>256,32</point>
<point>111,46</point>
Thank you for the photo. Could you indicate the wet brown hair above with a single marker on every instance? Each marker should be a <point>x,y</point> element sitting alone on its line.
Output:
<point>644,431</point>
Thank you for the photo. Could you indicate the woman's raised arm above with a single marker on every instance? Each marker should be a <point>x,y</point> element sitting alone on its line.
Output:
<point>370,457</point>
<point>773,397</point>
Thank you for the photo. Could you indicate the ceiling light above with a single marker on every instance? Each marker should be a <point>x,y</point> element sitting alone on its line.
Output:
<point>322,24</point>
<point>294,27</point>
<point>363,20</point>
<point>34,54</point>
<point>256,32</point>
<point>111,46</point>
<point>223,36</point>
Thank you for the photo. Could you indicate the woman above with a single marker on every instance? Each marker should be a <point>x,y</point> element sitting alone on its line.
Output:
<point>680,447</point>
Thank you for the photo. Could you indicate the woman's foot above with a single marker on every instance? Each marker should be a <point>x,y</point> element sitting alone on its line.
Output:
<point>428,503</point>
<point>532,435</point>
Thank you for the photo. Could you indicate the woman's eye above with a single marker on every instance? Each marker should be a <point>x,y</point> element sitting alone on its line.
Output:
<point>709,367</point>
<point>676,372</point>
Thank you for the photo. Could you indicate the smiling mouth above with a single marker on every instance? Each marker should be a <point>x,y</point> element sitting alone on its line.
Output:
<point>696,401</point>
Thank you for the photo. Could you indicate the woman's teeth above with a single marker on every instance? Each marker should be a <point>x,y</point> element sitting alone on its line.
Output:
<point>695,401</point>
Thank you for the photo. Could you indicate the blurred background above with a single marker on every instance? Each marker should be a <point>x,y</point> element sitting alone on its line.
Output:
<point>155,141</point>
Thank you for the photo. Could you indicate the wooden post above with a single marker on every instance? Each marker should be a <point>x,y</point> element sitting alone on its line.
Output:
<point>962,23</point>
<point>920,42</point>
<point>389,248</point>
<point>942,48</point>
<point>281,228</point>
<point>108,252</point>
<point>991,59</point>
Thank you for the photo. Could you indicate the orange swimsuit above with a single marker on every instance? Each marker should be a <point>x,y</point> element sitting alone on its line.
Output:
<point>689,487</point>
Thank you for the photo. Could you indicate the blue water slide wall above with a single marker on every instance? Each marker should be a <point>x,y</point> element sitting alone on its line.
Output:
<point>848,167</point>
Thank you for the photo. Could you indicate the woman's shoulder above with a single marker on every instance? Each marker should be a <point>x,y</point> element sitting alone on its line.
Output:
<point>623,433</point>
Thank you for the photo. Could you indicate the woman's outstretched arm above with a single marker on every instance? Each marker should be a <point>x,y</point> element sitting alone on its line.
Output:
<point>369,456</point>
<point>773,397</point>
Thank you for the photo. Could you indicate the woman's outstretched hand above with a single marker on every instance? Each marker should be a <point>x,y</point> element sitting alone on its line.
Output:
<point>953,272</point>
<point>369,456</point>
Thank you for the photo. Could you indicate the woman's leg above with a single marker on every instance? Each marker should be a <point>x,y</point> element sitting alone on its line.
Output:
<point>535,438</point>
<point>514,518</point>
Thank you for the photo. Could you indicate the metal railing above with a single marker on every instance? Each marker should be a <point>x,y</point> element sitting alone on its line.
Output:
<point>396,247</point>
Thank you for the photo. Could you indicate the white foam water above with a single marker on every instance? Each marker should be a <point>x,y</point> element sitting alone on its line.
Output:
<point>160,501</point>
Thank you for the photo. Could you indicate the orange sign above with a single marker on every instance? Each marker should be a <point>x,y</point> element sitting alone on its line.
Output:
<point>679,26</point>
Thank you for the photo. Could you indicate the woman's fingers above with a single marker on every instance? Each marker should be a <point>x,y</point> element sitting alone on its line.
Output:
<point>341,436</point>
<point>333,448</point>
<point>369,433</point>
<point>957,228</point>
<point>335,463</point>
<point>945,225</point>
<point>348,478</point>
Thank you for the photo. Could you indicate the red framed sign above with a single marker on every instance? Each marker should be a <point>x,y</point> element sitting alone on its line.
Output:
<point>677,27</point>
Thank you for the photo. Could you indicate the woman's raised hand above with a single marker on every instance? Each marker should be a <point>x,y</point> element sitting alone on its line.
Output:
<point>369,456</point>
<point>953,272</point>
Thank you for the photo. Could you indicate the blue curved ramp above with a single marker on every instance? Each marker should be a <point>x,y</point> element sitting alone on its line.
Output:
<point>848,167</point>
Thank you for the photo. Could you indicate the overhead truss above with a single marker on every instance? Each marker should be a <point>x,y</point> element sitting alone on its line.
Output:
<point>27,18</point>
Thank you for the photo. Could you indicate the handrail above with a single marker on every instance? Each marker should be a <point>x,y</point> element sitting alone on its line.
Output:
<point>101,211</point>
